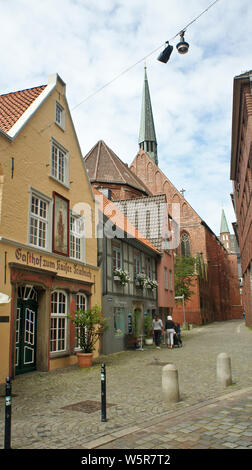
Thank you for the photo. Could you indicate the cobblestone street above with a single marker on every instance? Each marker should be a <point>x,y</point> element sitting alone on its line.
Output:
<point>207,415</point>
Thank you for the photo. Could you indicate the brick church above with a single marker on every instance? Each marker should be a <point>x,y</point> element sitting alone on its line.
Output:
<point>217,292</point>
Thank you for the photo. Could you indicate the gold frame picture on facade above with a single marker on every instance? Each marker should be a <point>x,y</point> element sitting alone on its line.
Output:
<point>60,224</point>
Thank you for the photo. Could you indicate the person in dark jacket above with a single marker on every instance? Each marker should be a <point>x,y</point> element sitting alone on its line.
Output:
<point>177,338</point>
<point>157,326</point>
<point>170,330</point>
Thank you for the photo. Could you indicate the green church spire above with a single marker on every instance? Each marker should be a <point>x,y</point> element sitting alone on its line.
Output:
<point>224,226</point>
<point>147,136</point>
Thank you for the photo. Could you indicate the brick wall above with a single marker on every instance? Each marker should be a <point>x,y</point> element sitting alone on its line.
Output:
<point>214,296</point>
<point>243,193</point>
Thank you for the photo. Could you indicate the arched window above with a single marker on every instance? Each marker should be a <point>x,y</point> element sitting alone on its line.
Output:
<point>58,321</point>
<point>185,245</point>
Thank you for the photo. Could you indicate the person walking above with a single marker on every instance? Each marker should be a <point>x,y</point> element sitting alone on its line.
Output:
<point>157,326</point>
<point>170,330</point>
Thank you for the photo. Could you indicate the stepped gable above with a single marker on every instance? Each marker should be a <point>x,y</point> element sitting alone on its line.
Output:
<point>104,166</point>
<point>13,105</point>
<point>158,183</point>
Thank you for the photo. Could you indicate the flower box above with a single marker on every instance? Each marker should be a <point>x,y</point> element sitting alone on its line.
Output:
<point>151,284</point>
<point>121,276</point>
<point>140,280</point>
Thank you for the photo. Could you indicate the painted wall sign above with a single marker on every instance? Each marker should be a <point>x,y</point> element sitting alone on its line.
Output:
<point>60,225</point>
<point>39,261</point>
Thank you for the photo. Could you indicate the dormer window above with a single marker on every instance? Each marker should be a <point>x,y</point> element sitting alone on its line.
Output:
<point>59,115</point>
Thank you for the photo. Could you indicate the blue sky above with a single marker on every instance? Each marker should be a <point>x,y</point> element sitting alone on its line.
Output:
<point>90,42</point>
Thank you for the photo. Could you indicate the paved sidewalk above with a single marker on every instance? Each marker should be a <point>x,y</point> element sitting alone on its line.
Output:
<point>61,409</point>
<point>223,423</point>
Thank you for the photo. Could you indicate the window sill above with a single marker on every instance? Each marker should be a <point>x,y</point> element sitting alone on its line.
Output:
<point>46,249</point>
<point>76,260</point>
<point>62,127</point>
<point>60,182</point>
<point>58,355</point>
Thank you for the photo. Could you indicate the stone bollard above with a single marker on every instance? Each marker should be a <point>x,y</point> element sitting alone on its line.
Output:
<point>224,375</point>
<point>170,386</point>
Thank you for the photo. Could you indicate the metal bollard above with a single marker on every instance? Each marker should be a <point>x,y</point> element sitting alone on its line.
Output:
<point>7,434</point>
<point>103,393</point>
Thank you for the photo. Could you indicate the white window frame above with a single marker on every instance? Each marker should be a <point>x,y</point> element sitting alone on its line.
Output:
<point>77,239</point>
<point>40,220</point>
<point>137,262</point>
<point>118,256</point>
<point>59,318</point>
<point>80,297</point>
<point>60,115</point>
<point>59,163</point>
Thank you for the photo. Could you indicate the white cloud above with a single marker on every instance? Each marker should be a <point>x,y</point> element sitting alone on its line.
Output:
<point>89,43</point>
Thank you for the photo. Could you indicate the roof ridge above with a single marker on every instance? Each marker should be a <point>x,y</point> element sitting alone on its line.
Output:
<point>127,168</point>
<point>21,91</point>
<point>110,156</point>
<point>98,158</point>
<point>119,171</point>
<point>15,105</point>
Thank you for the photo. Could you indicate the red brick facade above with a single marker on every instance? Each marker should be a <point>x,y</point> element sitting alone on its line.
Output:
<point>217,296</point>
<point>109,175</point>
<point>241,174</point>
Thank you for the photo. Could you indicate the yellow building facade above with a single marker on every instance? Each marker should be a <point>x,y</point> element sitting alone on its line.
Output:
<point>48,247</point>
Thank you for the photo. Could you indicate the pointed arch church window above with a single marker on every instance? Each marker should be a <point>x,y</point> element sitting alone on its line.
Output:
<point>185,245</point>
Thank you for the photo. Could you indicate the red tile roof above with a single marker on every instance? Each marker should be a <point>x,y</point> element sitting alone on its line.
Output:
<point>109,209</point>
<point>13,105</point>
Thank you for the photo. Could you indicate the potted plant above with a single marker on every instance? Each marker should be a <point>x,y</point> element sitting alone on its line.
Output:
<point>141,280</point>
<point>90,326</point>
<point>122,276</point>
<point>148,329</point>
